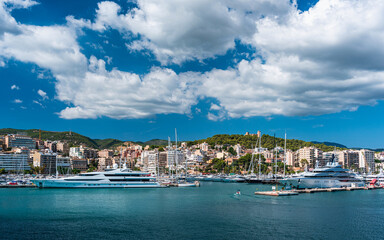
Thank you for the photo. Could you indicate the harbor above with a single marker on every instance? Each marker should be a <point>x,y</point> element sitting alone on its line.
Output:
<point>187,213</point>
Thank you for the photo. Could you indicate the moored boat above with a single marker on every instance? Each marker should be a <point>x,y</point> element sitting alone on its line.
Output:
<point>330,176</point>
<point>111,178</point>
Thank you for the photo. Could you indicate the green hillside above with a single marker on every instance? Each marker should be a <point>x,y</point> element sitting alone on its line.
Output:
<point>108,143</point>
<point>266,142</point>
<point>73,139</point>
<point>154,142</point>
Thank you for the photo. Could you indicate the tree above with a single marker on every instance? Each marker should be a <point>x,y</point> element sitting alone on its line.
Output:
<point>161,149</point>
<point>304,162</point>
<point>232,151</point>
<point>75,171</point>
<point>2,170</point>
<point>37,170</point>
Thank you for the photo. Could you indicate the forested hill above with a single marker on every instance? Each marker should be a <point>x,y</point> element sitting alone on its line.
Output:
<point>266,142</point>
<point>75,139</point>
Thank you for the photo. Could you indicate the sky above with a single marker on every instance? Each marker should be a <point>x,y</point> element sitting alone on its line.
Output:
<point>136,70</point>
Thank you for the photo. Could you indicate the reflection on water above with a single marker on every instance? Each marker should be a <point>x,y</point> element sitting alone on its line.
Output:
<point>209,212</point>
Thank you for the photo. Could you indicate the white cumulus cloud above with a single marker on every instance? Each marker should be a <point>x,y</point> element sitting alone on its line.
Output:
<point>176,31</point>
<point>42,94</point>
<point>14,87</point>
<point>321,61</point>
<point>119,94</point>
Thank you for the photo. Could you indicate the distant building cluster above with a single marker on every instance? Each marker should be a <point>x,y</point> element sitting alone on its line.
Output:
<point>18,152</point>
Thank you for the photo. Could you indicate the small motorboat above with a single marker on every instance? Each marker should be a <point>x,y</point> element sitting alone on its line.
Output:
<point>238,193</point>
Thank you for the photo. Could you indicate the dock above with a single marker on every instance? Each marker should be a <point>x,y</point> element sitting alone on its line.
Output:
<point>277,193</point>
<point>313,190</point>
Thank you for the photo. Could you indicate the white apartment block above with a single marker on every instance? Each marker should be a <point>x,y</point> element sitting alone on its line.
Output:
<point>171,157</point>
<point>311,154</point>
<point>75,152</point>
<point>367,159</point>
<point>204,146</point>
<point>290,158</point>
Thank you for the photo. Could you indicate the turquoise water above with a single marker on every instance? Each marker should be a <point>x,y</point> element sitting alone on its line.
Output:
<point>208,212</point>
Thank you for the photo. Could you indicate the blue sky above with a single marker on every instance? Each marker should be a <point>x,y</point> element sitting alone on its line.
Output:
<point>135,70</point>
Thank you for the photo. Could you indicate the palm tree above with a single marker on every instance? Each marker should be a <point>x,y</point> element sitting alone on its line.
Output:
<point>304,162</point>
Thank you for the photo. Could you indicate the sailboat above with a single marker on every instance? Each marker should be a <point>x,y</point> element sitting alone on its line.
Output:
<point>253,178</point>
<point>183,183</point>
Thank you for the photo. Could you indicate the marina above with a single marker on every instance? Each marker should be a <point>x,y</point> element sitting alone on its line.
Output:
<point>211,212</point>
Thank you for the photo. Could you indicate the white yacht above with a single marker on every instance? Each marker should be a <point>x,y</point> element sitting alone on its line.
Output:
<point>378,178</point>
<point>330,176</point>
<point>111,178</point>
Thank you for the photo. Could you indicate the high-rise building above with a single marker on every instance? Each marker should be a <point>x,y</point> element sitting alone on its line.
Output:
<point>106,153</point>
<point>14,162</point>
<point>62,147</point>
<point>63,164</point>
<point>171,157</point>
<point>153,159</point>
<point>79,164</point>
<point>290,158</point>
<point>367,160</point>
<point>311,154</point>
<point>150,161</point>
<point>349,159</point>
<point>75,152</point>
<point>46,160</point>
<point>162,161</point>
<point>15,140</point>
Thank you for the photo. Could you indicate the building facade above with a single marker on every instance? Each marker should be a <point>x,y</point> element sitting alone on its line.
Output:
<point>367,160</point>
<point>46,161</point>
<point>14,162</point>
<point>14,140</point>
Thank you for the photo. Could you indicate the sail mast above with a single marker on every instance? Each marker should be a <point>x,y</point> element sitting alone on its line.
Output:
<point>285,151</point>
<point>260,156</point>
<point>176,151</point>
<point>169,149</point>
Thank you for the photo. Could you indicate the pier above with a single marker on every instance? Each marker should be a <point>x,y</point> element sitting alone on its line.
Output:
<point>313,190</point>
<point>277,193</point>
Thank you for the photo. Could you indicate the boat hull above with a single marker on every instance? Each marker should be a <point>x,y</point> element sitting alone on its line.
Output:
<point>302,183</point>
<point>45,183</point>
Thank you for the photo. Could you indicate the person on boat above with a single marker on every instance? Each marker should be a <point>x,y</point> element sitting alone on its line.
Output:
<point>238,192</point>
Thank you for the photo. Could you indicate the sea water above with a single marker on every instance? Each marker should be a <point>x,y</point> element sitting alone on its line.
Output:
<point>211,211</point>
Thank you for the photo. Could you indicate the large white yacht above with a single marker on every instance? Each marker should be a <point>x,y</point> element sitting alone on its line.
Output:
<point>330,176</point>
<point>111,178</point>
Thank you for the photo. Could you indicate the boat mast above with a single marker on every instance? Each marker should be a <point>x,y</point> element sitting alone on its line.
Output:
<point>121,150</point>
<point>176,151</point>
<point>251,165</point>
<point>260,156</point>
<point>56,167</point>
<point>285,151</point>
<point>275,157</point>
<point>169,149</point>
